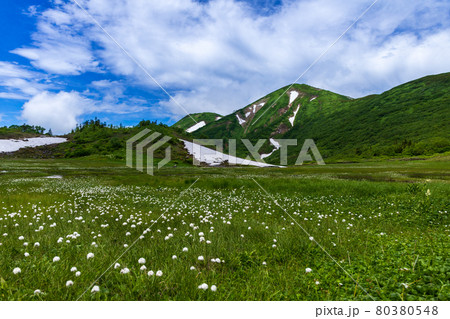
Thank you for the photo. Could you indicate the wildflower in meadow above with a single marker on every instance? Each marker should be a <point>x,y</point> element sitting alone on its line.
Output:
<point>201,234</point>
<point>159,273</point>
<point>116,265</point>
<point>143,268</point>
<point>125,271</point>
<point>311,238</point>
<point>16,271</point>
<point>308,270</point>
<point>185,249</point>
<point>69,283</point>
<point>56,259</point>
<point>26,254</point>
<point>73,269</point>
<point>90,255</point>
<point>95,289</point>
<point>36,244</point>
<point>174,257</point>
<point>150,273</point>
<point>213,288</point>
<point>317,282</point>
<point>203,286</point>
<point>78,274</point>
<point>200,258</point>
<point>21,238</point>
<point>192,268</point>
<point>37,292</point>
<point>141,261</point>
<point>264,263</point>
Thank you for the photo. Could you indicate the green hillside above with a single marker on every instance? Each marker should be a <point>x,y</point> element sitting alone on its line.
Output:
<point>187,121</point>
<point>94,138</point>
<point>409,120</point>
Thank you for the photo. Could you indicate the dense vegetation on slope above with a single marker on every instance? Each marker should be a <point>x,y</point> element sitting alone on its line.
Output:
<point>21,131</point>
<point>409,120</point>
<point>188,121</point>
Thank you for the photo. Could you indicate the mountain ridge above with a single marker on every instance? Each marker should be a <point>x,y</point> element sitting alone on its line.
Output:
<point>409,119</point>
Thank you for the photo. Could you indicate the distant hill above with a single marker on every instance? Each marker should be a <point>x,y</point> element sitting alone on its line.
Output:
<point>409,120</point>
<point>95,138</point>
<point>21,131</point>
<point>188,124</point>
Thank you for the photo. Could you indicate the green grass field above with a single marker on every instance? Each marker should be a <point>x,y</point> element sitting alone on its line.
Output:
<point>384,227</point>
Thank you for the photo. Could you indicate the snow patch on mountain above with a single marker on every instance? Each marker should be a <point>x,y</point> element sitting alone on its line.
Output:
<point>292,96</point>
<point>213,158</point>
<point>275,144</point>
<point>11,145</point>
<point>292,118</point>
<point>196,127</point>
<point>241,121</point>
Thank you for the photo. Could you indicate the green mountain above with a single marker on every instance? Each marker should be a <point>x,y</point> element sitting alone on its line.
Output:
<point>188,121</point>
<point>409,120</point>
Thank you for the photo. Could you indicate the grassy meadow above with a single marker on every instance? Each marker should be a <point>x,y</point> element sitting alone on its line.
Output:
<point>197,233</point>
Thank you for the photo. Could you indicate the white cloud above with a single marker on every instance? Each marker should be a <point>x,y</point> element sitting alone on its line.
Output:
<point>20,83</point>
<point>60,111</point>
<point>222,55</point>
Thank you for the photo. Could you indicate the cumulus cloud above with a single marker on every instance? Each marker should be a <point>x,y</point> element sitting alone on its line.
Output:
<point>220,55</point>
<point>60,111</point>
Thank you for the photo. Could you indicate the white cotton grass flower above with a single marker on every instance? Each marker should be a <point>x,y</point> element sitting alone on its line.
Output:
<point>405,285</point>
<point>203,286</point>
<point>317,282</point>
<point>21,238</point>
<point>185,249</point>
<point>26,255</point>
<point>192,268</point>
<point>159,273</point>
<point>150,273</point>
<point>214,288</point>
<point>311,238</point>
<point>56,259</point>
<point>308,270</point>
<point>174,257</point>
<point>201,258</point>
<point>90,255</point>
<point>141,261</point>
<point>37,292</point>
<point>95,289</point>
<point>73,269</point>
<point>69,283</point>
<point>125,270</point>
<point>16,271</point>
<point>116,265</point>
<point>264,263</point>
<point>36,244</point>
<point>78,274</point>
<point>143,268</point>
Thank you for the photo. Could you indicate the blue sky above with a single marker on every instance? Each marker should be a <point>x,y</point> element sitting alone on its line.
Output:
<point>58,68</point>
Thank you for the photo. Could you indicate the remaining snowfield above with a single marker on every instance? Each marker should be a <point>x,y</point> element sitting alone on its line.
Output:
<point>214,158</point>
<point>196,127</point>
<point>7,146</point>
